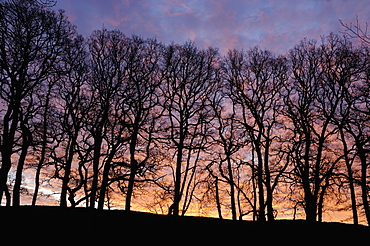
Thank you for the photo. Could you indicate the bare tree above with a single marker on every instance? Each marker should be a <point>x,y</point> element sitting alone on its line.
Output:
<point>313,97</point>
<point>42,136</point>
<point>70,108</point>
<point>188,76</point>
<point>342,68</point>
<point>109,51</point>
<point>140,110</point>
<point>357,122</point>
<point>357,30</point>
<point>255,79</point>
<point>229,138</point>
<point>32,38</point>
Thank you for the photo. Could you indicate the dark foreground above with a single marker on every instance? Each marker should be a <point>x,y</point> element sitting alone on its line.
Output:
<point>79,226</point>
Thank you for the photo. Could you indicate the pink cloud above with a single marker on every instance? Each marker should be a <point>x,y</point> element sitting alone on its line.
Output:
<point>275,25</point>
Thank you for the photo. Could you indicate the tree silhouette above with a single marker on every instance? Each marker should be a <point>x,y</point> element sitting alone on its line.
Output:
<point>119,121</point>
<point>188,76</point>
<point>69,111</point>
<point>255,79</point>
<point>342,67</point>
<point>32,39</point>
<point>313,97</point>
<point>141,107</point>
<point>110,56</point>
<point>357,30</point>
<point>230,137</point>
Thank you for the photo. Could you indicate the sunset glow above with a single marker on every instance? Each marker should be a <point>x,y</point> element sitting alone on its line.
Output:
<point>241,110</point>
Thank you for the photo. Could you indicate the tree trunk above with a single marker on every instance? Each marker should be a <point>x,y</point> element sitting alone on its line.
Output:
<point>43,148</point>
<point>63,194</point>
<point>9,128</point>
<point>27,139</point>
<point>177,195</point>
<point>133,165</point>
<point>318,196</point>
<point>96,161</point>
<point>269,195</point>
<point>5,167</point>
<point>320,205</point>
<point>38,170</point>
<point>67,170</point>
<point>37,183</point>
<point>232,188</point>
<point>364,189</point>
<point>350,177</point>
<point>310,208</point>
<point>105,178</point>
<point>260,184</point>
<point>218,203</point>
<point>309,198</point>
<point>131,183</point>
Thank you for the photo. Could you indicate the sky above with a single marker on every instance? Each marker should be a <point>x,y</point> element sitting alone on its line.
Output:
<point>276,25</point>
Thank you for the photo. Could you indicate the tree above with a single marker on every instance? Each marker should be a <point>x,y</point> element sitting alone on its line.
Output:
<point>188,77</point>
<point>109,56</point>
<point>229,137</point>
<point>32,38</point>
<point>342,68</point>
<point>312,99</point>
<point>357,124</point>
<point>42,136</point>
<point>139,103</point>
<point>70,108</point>
<point>356,30</point>
<point>144,108</point>
<point>359,31</point>
<point>254,79</point>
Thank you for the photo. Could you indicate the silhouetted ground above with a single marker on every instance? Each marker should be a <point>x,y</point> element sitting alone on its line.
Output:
<point>80,226</point>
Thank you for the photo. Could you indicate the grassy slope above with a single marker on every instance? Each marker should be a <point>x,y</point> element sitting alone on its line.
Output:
<point>79,226</point>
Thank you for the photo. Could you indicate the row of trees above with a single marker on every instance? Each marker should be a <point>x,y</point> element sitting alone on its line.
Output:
<point>115,117</point>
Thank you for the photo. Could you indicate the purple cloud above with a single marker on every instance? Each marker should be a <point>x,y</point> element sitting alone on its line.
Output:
<point>226,24</point>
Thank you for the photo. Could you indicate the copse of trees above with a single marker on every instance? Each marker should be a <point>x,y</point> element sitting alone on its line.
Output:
<point>117,119</point>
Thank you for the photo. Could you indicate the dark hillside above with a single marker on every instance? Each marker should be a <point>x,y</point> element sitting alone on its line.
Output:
<point>49,225</point>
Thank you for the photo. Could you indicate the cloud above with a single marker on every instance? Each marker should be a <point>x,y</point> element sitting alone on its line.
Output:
<point>226,24</point>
